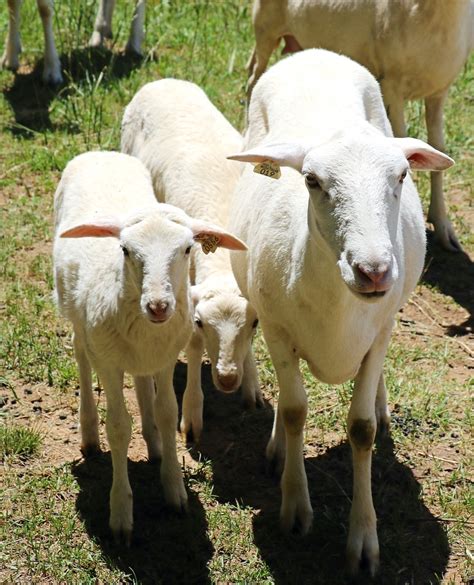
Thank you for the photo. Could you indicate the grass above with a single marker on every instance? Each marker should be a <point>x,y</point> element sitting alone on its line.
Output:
<point>54,521</point>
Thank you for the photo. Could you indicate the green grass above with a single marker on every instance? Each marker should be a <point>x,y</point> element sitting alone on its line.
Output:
<point>54,521</point>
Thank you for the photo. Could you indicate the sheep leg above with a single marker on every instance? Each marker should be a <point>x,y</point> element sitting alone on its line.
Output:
<point>437,214</point>
<point>88,419</point>
<point>361,425</point>
<point>166,414</point>
<point>382,412</point>
<point>103,23</point>
<point>394,106</point>
<point>292,408</point>
<point>251,393</point>
<point>134,44</point>
<point>9,58</point>
<point>145,389</point>
<point>52,65</point>
<point>264,47</point>
<point>191,420</point>
<point>119,432</point>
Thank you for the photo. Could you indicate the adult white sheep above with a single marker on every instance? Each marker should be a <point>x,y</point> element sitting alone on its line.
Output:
<point>335,248</point>
<point>52,65</point>
<point>183,140</point>
<point>124,287</point>
<point>415,48</point>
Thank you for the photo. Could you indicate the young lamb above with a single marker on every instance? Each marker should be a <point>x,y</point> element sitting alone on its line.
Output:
<point>52,66</point>
<point>415,48</point>
<point>336,245</point>
<point>173,128</point>
<point>124,287</point>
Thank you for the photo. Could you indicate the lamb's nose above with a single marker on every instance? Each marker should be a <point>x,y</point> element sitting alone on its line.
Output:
<point>158,311</point>
<point>228,381</point>
<point>376,274</point>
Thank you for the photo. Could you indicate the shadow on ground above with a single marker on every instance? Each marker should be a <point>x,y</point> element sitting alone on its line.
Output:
<point>30,99</point>
<point>167,547</point>
<point>453,274</point>
<point>414,546</point>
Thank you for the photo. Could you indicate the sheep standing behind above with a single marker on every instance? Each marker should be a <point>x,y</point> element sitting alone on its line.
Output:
<point>415,49</point>
<point>173,128</point>
<point>52,65</point>
<point>121,264</point>
<point>332,256</point>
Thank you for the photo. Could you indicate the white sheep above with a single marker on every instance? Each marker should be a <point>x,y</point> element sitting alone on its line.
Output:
<point>173,128</point>
<point>415,49</point>
<point>336,245</point>
<point>52,65</point>
<point>124,287</point>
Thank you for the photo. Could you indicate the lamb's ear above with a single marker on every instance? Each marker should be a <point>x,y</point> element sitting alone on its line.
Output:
<point>212,237</point>
<point>285,154</point>
<point>100,229</point>
<point>422,156</point>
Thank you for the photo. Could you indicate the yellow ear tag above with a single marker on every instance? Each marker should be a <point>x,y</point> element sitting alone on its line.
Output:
<point>269,168</point>
<point>208,243</point>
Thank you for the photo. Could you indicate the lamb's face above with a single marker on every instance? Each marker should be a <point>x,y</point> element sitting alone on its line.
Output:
<point>227,324</point>
<point>355,189</point>
<point>156,255</point>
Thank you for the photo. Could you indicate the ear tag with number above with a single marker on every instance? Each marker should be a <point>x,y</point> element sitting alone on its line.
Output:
<point>209,242</point>
<point>269,168</point>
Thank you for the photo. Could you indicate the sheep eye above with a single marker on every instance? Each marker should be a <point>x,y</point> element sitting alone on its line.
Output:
<point>125,251</point>
<point>198,323</point>
<point>255,323</point>
<point>188,250</point>
<point>402,176</point>
<point>312,181</point>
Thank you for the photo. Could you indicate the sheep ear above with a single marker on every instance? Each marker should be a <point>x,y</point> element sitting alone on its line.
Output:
<point>285,154</point>
<point>422,156</point>
<point>93,230</point>
<point>212,237</point>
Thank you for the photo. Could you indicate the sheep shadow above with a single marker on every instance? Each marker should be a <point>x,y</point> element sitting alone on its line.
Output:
<point>30,99</point>
<point>453,275</point>
<point>414,546</point>
<point>167,547</point>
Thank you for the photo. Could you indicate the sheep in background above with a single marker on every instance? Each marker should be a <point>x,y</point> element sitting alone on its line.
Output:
<point>336,245</point>
<point>173,128</point>
<point>124,287</point>
<point>414,48</point>
<point>52,65</point>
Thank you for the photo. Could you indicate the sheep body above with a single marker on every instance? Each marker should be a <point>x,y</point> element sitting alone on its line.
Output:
<point>329,264</point>
<point>173,128</point>
<point>415,48</point>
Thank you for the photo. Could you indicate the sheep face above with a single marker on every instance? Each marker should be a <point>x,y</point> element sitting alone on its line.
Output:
<point>227,324</point>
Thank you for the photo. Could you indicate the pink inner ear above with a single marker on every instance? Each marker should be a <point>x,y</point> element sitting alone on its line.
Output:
<point>92,231</point>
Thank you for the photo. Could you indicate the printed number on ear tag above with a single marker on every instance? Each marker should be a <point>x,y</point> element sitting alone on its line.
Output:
<point>268,168</point>
<point>208,243</point>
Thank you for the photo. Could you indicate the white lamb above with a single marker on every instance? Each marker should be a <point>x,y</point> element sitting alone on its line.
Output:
<point>173,128</point>
<point>335,248</point>
<point>52,65</point>
<point>124,287</point>
<point>415,48</point>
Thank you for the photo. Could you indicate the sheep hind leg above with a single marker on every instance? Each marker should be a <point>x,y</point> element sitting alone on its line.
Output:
<point>145,389</point>
<point>135,40</point>
<point>88,418</point>
<point>52,65</point>
<point>251,393</point>
<point>264,47</point>
<point>382,412</point>
<point>437,215</point>
<point>9,58</point>
<point>103,23</point>
<point>193,398</point>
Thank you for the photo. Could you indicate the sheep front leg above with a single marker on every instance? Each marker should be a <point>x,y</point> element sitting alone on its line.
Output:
<point>437,214</point>
<point>119,432</point>
<point>292,408</point>
<point>361,425</point>
<point>88,418</point>
<point>191,419</point>
<point>166,414</point>
<point>382,412</point>
<point>103,23</point>
<point>12,43</point>
<point>134,44</point>
<point>52,66</point>
<point>145,389</point>
<point>251,393</point>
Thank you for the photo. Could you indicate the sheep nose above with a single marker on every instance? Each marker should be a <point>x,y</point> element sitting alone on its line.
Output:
<point>228,381</point>
<point>376,274</point>
<point>158,311</point>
